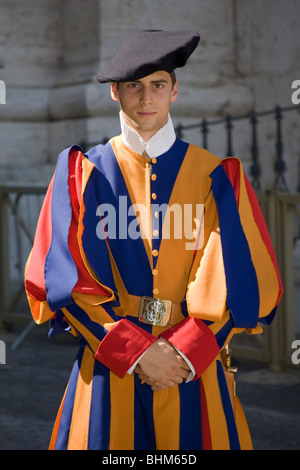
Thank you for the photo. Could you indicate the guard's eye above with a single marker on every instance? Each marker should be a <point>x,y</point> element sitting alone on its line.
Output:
<point>133,85</point>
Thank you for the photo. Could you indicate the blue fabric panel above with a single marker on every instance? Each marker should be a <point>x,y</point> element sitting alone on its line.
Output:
<point>94,327</point>
<point>226,402</point>
<point>59,263</point>
<point>58,325</point>
<point>99,430</point>
<point>190,416</point>
<point>94,247</point>
<point>144,436</point>
<point>241,280</point>
<point>224,332</point>
<point>129,253</point>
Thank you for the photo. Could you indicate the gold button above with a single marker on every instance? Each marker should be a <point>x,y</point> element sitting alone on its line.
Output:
<point>155,272</point>
<point>153,177</point>
<point>155,291</point>
<point>156,214</point>
<point>155,253</point>
<point>154,196</point>
<point>155,233</point>
<point>153,160</point>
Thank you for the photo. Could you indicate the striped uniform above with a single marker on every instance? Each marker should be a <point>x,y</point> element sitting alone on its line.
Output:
<point>90,265</point>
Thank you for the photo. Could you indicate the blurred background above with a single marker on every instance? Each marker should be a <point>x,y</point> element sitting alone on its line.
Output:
<point>235,98</point>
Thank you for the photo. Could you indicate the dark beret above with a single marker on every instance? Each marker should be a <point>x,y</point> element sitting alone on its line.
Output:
<point>146,52</point>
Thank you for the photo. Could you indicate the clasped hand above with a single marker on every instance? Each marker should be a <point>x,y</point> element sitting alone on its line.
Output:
<point>162,366</point>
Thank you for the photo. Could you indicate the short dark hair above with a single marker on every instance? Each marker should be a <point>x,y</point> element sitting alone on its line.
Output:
<point>172,75</point>
<point>173,78</point>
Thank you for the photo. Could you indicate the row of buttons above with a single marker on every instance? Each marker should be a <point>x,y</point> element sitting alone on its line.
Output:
<point>153,178</point>
<point>155,232</point>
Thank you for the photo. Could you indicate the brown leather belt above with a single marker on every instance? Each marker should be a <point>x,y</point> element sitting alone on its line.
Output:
<point>156,312</point>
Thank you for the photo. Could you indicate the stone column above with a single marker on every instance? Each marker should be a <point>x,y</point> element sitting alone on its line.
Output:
<point>31,52</point>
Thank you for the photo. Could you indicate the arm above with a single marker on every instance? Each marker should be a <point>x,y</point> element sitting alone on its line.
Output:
<point>59,282</point>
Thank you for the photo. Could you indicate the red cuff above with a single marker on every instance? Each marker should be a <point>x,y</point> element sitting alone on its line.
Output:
<point>122,346</point>
<point>196,341</point>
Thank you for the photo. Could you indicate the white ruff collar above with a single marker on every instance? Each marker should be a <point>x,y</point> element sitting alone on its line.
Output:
<point>159,143</point>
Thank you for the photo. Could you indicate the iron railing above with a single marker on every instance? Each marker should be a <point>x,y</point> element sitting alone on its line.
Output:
<point>20,205</point>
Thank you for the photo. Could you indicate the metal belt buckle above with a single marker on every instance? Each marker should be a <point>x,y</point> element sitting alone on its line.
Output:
<point>155,311</point>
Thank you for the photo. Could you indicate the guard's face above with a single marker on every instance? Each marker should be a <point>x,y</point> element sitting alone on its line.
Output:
<point>145,103</point>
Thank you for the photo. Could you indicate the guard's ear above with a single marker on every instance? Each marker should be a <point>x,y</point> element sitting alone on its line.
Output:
<point>114,91</point>
<point>174,92</point>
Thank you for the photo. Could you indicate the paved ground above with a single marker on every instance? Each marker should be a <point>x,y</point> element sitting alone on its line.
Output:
<point>35,375</point>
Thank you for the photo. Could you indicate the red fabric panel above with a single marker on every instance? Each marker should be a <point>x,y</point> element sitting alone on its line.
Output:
<point>34,279</point>
<point>122,346</point>
<point>260,222</point>
<point>85,284</point>
<point>232,168</point>
<point>196,341</point>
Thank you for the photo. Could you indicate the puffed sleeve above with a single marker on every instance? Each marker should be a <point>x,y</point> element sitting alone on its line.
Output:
<point>62,287</point>
<point>234,283</point>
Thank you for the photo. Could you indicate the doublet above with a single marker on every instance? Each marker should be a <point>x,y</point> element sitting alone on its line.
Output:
<point>116,227</point>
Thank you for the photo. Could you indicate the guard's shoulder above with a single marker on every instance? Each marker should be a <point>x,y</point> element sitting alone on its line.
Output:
<point>202,157</point>
<point>232,165</point>
<point>98,151</point>
<point>67,156</point>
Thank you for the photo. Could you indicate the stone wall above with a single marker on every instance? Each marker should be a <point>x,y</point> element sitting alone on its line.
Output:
<point>248,57</point>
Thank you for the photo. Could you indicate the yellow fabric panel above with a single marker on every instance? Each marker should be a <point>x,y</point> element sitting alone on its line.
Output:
<point>177,248</point>
<point>242,426</point>
<point>121,424</point>
<point>87,168</point>
<point>166,415</point>
<point>207,291</point>
<point>206,296</point>
<point>40,310</point>
<point>217,326</point>
<point>79,431</point>
<point>190,188</point>
<point>216,416</point>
